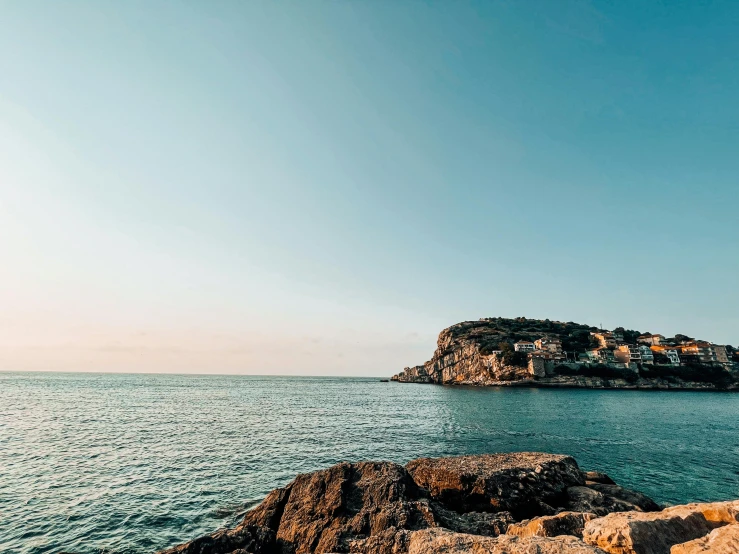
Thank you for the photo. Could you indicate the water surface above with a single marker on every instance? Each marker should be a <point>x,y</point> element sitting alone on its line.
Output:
<point>136,463</point>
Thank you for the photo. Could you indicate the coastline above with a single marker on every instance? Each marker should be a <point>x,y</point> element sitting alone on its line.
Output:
<point>534,384</point>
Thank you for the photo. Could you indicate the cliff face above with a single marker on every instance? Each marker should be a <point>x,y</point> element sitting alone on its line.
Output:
<point>461,358</point>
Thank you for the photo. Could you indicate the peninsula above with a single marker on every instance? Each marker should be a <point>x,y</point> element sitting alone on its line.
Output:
<point>542,353</point>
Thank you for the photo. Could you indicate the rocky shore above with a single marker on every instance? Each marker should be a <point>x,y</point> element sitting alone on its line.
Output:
<point>516,503</point>
<point>562,381</point>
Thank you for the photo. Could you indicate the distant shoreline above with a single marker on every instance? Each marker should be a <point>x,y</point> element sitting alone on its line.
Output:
<point>538,385</point>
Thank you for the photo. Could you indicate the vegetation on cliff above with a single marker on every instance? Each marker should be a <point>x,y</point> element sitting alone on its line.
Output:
<point>599,370</point>
<point>491,333</point>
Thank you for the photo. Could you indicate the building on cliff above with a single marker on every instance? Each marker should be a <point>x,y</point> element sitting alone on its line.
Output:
<point>549,344</point>
<point>703,353</point>
<point>628,354</point>
<point>651,340</point>
<point>605,338</point>
<point>647,357</point>
<point>546,355</point>
<point>537,365</point>
<point>524,346</point>
<point>665,355</point>
<point>601,355</point>
<point>722,356</point>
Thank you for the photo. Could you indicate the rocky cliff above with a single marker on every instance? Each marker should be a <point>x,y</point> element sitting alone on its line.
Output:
<point>517,503</point>
<point>464,355</point>
<point>469,353</point>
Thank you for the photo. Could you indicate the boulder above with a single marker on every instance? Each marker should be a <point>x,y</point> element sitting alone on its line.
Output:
<point>563,523</point>
<point>716,513</point>
<point>602,499</point>
<point>269,511</point>
<point>586,499</point>
<point>724,540</point>
<point>526,484</point>
<point>327,511</point>
<point>646,532</point>
<point>478,523</point>
<point>592,477</point>
<point>636,499</point>
<point>249,538</point>
<point>390,541</point>
<point>443,541</point>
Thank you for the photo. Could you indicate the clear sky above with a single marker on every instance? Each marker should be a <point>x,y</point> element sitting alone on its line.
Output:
<point>320,187</point>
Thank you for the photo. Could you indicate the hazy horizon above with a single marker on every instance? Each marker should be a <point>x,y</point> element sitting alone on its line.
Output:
<point>319,188</point>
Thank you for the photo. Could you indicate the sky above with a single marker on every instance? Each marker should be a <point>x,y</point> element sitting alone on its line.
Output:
<point>319,188</point>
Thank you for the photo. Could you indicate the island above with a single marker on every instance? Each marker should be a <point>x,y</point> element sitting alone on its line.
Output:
<point>513,503</point>
<point>500,351</point>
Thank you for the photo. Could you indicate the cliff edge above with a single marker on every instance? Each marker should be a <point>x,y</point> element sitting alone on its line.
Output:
<point>468,354</point>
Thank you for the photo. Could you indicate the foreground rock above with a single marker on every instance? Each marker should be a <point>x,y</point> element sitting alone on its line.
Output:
<point>564,523</point>
<point>377,507</point>
<point>602,499</point>
<point>525,484</point>
<point>724,540</point>
<point>448,542</point>
<point>658,532</point>
<point>244,539</point>
<point>518,503</point>
<point>327,510</point>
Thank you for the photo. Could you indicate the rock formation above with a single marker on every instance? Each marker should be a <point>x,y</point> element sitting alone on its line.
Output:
<point>563,523</point>
<point>525,484</point>
<point>662,532</point>
<point>431,541</point>
<point>463,356</point>
<point>724,540</point>
<point>517,503</point>
<point>499,503</point>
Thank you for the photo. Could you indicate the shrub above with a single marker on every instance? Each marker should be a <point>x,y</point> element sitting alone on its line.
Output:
<point>600,370</point>
<point>692,372</point>
<point>565,370</point>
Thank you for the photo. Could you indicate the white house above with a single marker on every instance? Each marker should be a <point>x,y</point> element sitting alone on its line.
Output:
<point>673,356</point>
<point>647,356</point>
<point>524,346</point>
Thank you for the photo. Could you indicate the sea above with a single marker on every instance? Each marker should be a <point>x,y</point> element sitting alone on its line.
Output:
<point>104,463</point>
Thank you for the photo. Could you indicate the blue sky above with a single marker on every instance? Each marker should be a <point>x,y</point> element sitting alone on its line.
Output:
<point>320,187</point>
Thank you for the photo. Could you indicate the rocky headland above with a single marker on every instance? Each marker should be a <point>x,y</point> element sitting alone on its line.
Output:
<point>517,503</point>
<point>481,353</point>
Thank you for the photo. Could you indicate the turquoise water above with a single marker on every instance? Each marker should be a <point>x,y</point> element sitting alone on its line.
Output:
<point>136,463</point>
